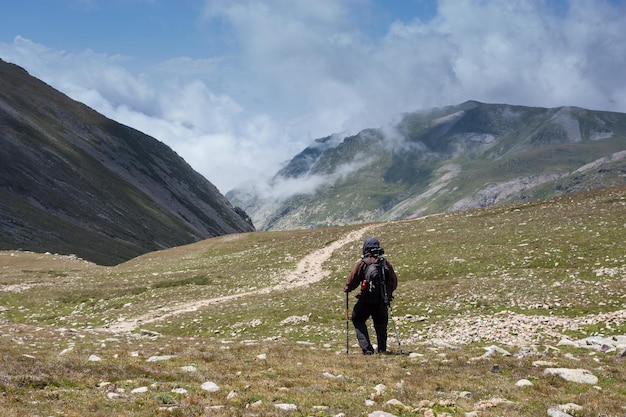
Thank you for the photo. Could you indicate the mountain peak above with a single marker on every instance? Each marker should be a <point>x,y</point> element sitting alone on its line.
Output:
<point>75,182</point>
<point>464,156</point>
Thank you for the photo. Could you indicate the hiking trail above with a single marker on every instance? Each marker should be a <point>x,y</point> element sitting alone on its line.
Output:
<point>307,271</point>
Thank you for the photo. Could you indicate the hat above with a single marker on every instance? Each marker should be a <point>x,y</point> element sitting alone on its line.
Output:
<point>371,245</point>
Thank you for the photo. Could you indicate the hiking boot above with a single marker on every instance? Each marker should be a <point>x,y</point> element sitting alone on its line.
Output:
<point>368,351</point>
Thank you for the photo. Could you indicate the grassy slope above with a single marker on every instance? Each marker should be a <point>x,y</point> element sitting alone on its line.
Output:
<point>536,259</point>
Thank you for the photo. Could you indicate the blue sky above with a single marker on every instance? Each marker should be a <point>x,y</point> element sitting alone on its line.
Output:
<point>238,87</point>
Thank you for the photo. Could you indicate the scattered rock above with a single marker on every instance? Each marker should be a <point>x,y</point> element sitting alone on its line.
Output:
<point>159,358</point>
<point>570,407</point>
<point>380,389</point>
<point>598,343</point>
<point>149,333</point>
<point>581,376</point>
<point>539,364</point>
<point>523,383</point>
<point>320,408</point>
<point>395,402</point>
<point>94,358</point>
<point>66,351</point>
<point>139,390</point>
<point>179,390</point>
<point>494,350</point>
<point>296,319</point>
<point>188,368</point>
<point>261,356</point>
<point>286,407</point>
<point>494,402</point>
<point>381,414</point>
<point>255,404</point>
<point>555,412</point>
<point>210,386</point>
<point>571,357</point>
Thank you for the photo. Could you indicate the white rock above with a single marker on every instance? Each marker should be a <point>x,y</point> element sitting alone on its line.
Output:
<point>539,364</point>
<point>570,407</point>
<point>323,408</point>
<point>286,407</point>
<point>369,403</point>
<point>231,395</point>
<point>255,404</point>
<point>94,358</point>
<point>188,368</point>
<point>139,390</point>
<point>261,357</point>
<point>331,376</point>
<point>65,351</point>
<point>582,376</point>
<point>493,350</point>
<point>210,386</point>
<point>159,358</point>
<point>296,319</point>
<point>381,414</point>
<point>524,383</point>
<point>380,388</point>
<point>182,391</point>
<point>555,412</point>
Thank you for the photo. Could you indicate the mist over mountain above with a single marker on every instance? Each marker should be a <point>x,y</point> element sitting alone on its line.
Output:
<point>445,159</point>
<point>75,182</point>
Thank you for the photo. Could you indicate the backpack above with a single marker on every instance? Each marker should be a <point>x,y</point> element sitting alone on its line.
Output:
<point>377,282</point>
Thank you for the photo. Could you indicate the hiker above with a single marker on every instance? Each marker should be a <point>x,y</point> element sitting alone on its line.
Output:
<point>371,302</point>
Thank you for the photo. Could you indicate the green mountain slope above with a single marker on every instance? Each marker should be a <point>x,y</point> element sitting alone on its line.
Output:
<point>74,182</point>
<point>458,157</point>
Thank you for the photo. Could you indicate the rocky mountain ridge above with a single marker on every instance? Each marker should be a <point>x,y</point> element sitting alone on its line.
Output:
<point>447,159</point>
<point>75,182</point>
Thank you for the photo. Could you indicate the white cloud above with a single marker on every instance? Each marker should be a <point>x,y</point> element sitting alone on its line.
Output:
<point>299,70</point>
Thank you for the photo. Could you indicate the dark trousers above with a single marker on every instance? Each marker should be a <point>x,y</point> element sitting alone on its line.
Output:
<point>380,316</point>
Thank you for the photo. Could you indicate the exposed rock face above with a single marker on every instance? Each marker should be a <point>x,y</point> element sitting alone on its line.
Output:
<point>454,158</point>
<point>73,181</point>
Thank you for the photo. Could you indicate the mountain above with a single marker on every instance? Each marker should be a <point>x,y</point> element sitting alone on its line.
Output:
<point>75,182</point>
<point>441,160</point>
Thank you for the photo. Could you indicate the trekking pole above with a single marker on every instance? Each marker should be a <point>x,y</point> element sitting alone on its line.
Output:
<point>395,329</point>
<point>347,326</point>
<point>387,301</point>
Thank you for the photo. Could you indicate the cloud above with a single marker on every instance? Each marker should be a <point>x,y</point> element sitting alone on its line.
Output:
<point>289,71</point>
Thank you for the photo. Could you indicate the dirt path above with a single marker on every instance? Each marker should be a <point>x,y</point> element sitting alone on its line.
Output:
<point>307,271</point>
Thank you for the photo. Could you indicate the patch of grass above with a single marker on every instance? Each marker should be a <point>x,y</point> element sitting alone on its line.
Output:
<point>196,280</point>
